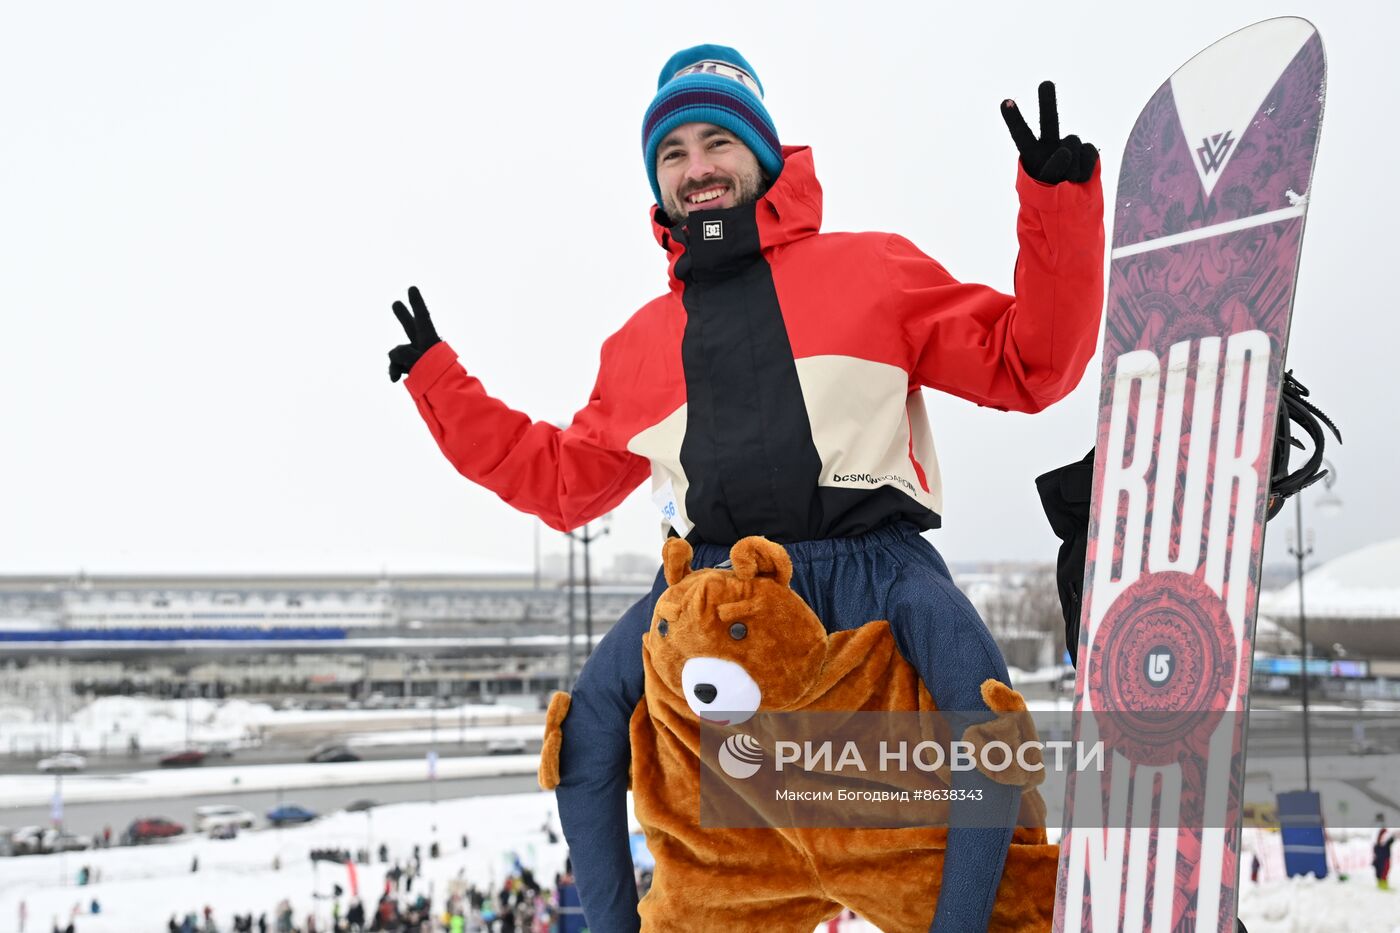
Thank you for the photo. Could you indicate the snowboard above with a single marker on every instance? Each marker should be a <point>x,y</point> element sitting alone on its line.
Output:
<point>1207,233</point>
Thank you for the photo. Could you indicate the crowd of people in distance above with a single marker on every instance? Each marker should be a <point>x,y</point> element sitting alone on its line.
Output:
<point>407,903</point>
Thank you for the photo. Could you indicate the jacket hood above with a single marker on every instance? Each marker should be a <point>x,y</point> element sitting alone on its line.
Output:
<point>790,210</point>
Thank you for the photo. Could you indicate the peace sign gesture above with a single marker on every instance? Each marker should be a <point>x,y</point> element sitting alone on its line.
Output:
<point>422,336</point>
<point>1049,159</point>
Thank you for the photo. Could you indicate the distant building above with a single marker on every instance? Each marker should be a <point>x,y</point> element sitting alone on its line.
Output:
<point>1352,602</point>
<point>420,635</point>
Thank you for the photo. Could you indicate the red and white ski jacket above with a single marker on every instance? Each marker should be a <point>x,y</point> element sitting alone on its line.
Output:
<point>775,388</point>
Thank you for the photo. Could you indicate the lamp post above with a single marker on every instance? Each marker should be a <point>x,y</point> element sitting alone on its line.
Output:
<point>569,650</point>
<point>585,538</point>
<point>189,709</point>
<point>1302,549</point>
<point>588,591</point>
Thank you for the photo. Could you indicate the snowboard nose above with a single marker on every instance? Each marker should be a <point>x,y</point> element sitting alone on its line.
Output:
<point>706,693</point>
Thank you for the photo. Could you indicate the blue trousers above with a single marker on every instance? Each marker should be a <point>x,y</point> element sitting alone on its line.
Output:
<point>890,573</point>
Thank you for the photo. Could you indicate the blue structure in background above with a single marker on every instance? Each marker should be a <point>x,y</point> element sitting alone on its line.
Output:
<point>571,918</point>
<point>1304,838</point>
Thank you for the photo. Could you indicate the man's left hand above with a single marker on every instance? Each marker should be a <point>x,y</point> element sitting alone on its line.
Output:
<point>422,336</point>
<point>1049,159</point>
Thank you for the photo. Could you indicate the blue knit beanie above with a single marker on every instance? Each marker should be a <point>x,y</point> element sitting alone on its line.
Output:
<point>710,84</point>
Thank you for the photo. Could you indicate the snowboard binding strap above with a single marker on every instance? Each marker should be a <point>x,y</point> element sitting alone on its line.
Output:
<point>1294,407</point>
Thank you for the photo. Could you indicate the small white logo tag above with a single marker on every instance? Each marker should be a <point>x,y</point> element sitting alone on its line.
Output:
<point>665,499</point>
<point>714,230</point>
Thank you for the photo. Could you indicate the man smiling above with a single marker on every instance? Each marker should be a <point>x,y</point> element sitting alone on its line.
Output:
<point>775,389</point>
<point>700,166</point>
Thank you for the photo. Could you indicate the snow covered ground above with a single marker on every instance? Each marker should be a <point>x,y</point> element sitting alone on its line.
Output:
<point>155,724</point>
<point>140,888</point>
<point>109,723</point>
<point>1277,904</point>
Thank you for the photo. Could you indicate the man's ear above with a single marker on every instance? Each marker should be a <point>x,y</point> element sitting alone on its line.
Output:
<point>758,557</point>
<point>675,558</point>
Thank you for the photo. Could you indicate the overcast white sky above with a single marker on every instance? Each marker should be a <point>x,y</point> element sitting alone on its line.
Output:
<point>206,210</point>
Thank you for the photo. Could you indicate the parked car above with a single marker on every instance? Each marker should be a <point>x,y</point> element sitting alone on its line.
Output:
<point>224,831</point>
<point>27,840</point>
<point>218,750</point>
<point>63,763</point>
<point>361,805</point>
<point>222,814</point>
<point>329,753</point>
<point>188,758</point>
<point>56,841</point>
<point>505,747</point>
<point>154,827</point>
<point>290,813</point>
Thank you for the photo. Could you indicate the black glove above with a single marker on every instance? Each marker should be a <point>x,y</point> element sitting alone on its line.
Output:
<point>421,335</point>
<point>1049,159</point>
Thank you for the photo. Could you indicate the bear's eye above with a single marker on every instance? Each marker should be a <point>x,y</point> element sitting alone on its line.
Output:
<point>738,630</point>
<point>661,627</point>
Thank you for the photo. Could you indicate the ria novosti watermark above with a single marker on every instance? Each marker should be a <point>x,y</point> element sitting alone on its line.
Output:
<point>741,756</point>
<point>922,769</point>
<point>879,769</point>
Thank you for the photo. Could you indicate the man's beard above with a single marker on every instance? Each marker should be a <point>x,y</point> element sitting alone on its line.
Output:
<point>746,189</point>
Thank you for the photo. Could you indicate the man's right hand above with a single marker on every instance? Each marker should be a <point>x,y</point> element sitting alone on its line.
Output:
<point>421,335</point>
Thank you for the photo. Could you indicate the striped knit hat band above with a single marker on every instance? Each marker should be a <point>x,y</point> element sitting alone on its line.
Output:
<point>710,84</point>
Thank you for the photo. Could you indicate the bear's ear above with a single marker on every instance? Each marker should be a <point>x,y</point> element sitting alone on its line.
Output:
<point>759,557</point>
<point>675,557</point>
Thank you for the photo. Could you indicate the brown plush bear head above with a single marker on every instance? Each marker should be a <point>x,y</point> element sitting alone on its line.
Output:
<point>734,641</point>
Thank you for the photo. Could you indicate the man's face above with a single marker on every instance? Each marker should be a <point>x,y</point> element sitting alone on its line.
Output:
<point>700,166</point>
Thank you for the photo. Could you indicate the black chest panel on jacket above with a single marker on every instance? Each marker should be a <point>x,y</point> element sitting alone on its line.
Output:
<point>748,454</point>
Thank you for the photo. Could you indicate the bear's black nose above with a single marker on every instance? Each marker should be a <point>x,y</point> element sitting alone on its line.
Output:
<point>706,693</point>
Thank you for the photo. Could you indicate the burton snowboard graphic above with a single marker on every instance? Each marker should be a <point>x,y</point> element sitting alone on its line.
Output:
<point>1207,234</point>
